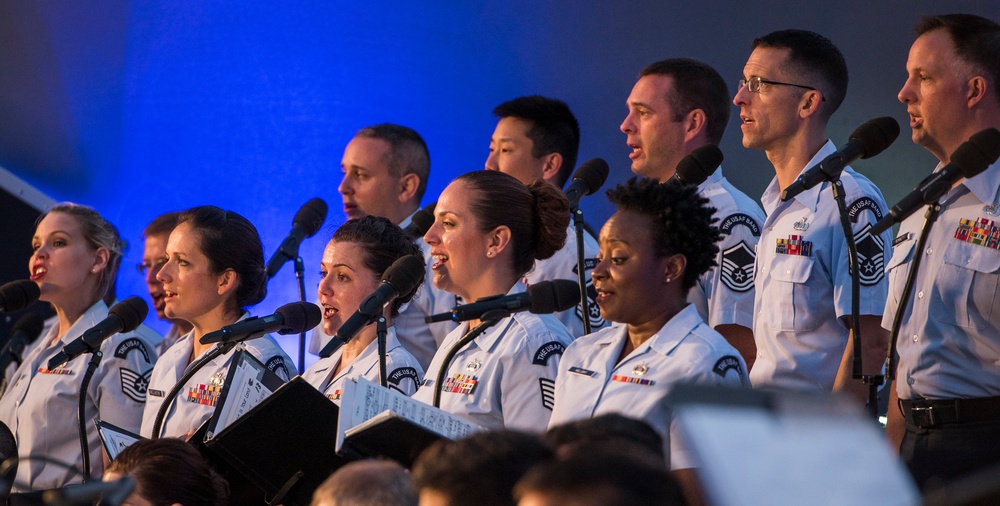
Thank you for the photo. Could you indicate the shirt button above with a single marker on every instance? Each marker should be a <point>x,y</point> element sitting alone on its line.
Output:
<point>930,250</point>
<point>909,381</point>
<point>915,338</point>
<point>920,294</point>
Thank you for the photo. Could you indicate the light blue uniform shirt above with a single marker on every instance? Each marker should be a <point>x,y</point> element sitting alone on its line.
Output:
<point>591,382</point>
<point>804,283</point>
<point>949,341</point>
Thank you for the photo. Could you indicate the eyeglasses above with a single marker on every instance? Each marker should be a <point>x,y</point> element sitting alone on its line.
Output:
<point>753,85</point>
<point>154,268</point>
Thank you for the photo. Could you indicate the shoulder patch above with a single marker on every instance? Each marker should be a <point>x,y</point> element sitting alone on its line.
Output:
<point>134,385</point>
<point>737,267</point>
<point>402,373</point>
<point>726,225</point>
<point>133,343</point>
<point>871,256</point>
<point>547,350</point>
<point>854,211</point>
<point>548,388</point>
<point>729,363</point>
<point>277,363</point>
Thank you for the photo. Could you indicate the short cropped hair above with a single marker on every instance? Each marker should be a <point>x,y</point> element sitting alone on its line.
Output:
<point>162,224</point>
<point>480,469</point>
<point>696,85</point>
<point>554,129</point>
<point>813,55</point>
<point>407,152</point>
<point>367,483</point>
<point>681,221</point>
<point>976,40</point>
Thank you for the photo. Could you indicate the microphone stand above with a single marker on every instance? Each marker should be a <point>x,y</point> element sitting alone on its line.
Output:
<point>581,269</point>
<point>300,270</point>
<point>220,349</point>
<point>873,381</point>
<point>904,299</point>
<point>489,319</point>
<point>95,360</point>
<point>381,330</point>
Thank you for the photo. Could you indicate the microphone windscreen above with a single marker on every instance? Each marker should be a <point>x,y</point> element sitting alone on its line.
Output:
<point>422,221</point>
<point>695,168</point>
<point>299,317</point>
<point>311,216</point>
<point>131,311</point>
<point>876,135</point>
<point>31,324</point>
<point>593,173</point>
<point>981,150</point>
<point>553,296</point>
<point>405,274</point>
<point>17,295</point>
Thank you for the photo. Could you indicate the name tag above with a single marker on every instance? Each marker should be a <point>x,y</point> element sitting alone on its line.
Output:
<point>156,393</point>
<point>583,372</point>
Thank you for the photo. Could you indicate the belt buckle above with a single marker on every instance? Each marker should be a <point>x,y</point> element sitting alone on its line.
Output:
<point>923,416</point>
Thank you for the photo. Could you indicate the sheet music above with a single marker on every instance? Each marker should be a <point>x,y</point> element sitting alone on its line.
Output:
<point>246,391</point>
<point>362,400</point>
<point>115,439</point>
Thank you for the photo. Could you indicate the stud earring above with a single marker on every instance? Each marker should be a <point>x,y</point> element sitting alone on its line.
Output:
<point>668,280</point>
<point>489,253</point>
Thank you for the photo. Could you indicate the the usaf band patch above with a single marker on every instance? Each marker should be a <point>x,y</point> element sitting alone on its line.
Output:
<point>398,375</point>
<point>548,392</point>
<point>729,363</point>
<point>854,212</point>
<point>277,363</point>
<point>547,350</point>
<point>726,227</point>
<point>134,385</point>
<point>132,343</point>
<point>871,256</point>
<point>737,267</point>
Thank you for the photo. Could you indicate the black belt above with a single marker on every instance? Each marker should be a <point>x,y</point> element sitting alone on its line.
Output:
<point>931,413</point>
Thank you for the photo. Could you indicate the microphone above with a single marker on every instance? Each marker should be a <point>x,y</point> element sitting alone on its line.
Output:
<point>541,298</point>
<point>403,276</point>
<point>124,316</point>
<point>292,318</point>
<point>587,179</point>
<point>695,168</point>
<point>868,140</point>
<point>306,223</point>
<point>24,332</point>
<point>17,295</point>
<point>969,159</point>
<point>421,222</point>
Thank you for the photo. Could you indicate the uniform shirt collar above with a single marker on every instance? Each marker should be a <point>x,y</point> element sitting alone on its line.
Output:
<point>986,185</point>
<point>674,331</point>
<point>488,339</point>
<point>809,198</point>
<point>714,178</point>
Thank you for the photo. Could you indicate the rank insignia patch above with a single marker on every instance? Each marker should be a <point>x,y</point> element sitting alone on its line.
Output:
<point>871,256</point>
<point>548,392</point>
<point>134,385</point>
<point>738,267</point>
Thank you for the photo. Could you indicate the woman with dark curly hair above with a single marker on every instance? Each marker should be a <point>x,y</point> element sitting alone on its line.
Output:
<point>489,228</point>
<point>214,271</point>
<point>353,263</point>
<point>652,251</point>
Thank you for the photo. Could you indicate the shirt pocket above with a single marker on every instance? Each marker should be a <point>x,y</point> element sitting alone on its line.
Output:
<point>967,286</point>
<point>789,299</point>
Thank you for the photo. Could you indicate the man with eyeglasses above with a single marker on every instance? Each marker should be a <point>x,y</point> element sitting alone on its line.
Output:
<point>676,106</point>
<point>792,83</point>
<point>154,255</point>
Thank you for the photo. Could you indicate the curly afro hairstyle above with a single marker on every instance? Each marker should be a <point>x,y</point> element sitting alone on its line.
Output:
<point>681,221</point>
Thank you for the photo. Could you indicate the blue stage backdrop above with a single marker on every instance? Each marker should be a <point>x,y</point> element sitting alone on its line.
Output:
<point>138,108</point>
